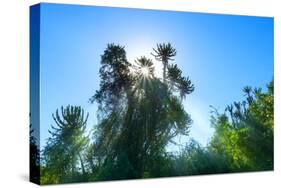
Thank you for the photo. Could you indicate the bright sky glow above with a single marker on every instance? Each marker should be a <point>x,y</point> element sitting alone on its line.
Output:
<point>220,54</point>
<point>145,71</point>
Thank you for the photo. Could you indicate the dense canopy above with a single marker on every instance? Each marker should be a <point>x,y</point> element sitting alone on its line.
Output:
<point>140,114</point>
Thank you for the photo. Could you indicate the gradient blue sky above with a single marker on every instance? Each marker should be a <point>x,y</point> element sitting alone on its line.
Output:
<point>220,54</point>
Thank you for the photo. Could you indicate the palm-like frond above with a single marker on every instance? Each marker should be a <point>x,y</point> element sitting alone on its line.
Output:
<point>164,52</point>
<point>178,82</point>
<point>144,63</point>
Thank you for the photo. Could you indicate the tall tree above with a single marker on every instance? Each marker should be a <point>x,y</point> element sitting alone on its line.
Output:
<point>112,98</point>
<point>114,79</point>
<point>146,117</point>
<point>62,157</point>
<point>164,53</point>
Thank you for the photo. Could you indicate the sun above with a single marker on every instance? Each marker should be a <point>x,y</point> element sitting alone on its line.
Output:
<point>143,47</point>
<point>145,71</point>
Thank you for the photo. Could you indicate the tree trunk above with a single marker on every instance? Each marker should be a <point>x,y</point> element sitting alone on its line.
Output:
<point>164,71</point>
<point>82,164</point>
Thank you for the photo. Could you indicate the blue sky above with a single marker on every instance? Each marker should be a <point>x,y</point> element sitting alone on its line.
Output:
<point>220,54</point>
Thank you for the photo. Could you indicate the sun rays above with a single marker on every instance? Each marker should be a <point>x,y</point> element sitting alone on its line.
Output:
<point>144,67</point>
<point>144,71</point>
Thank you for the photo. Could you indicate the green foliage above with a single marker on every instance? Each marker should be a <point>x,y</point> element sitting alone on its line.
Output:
<point>179,83</point>
<point>140,114</point>
<point>148,117</point>
<point>246,141</point>
<point>164,52</point>
<point>62,157</point>
<point>115,78</point>
<point>195,159</point>
<point>34,155</point>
